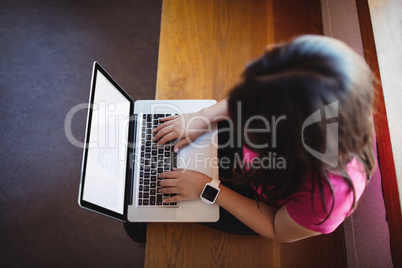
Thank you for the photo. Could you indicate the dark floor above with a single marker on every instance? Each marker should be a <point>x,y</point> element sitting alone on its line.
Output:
<point>47,49</point>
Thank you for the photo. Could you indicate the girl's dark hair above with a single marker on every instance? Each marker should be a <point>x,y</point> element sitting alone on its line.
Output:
<point>287,85</point>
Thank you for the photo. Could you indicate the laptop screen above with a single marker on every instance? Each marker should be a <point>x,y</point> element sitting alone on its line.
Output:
<point>105,164</point>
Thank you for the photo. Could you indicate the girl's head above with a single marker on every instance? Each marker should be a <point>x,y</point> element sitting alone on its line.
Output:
<point>306,89</point>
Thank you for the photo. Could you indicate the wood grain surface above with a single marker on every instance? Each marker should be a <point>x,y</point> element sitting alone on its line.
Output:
<point>205,45</point>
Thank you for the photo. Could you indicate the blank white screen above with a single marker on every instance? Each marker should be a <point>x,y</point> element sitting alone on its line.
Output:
<point>105,173</point>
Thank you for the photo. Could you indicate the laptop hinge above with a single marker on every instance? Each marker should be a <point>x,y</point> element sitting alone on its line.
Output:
<point>133,158</point>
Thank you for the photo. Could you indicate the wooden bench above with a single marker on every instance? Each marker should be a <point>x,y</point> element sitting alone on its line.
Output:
<point>204,47</point>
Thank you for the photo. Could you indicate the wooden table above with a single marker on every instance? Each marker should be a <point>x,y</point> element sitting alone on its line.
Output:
<point>204,47</point>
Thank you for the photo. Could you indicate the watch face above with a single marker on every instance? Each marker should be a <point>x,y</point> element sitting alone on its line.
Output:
<point>209,193</point>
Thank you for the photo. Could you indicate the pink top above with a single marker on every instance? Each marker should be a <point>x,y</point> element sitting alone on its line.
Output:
<point>304,212</point>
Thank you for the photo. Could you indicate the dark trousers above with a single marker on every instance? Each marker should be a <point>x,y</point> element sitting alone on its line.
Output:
<point>227,153</point>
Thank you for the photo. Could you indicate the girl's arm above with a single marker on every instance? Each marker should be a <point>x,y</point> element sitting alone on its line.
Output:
<point>190,126</point>
<point>217,112</point>
<point>275,224</point>
<point>267,221</point>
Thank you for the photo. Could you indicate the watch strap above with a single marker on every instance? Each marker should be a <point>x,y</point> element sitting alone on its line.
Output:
<point>215,183</point>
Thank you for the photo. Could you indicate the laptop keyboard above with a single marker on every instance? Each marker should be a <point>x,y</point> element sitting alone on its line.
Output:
<point>154,160</point>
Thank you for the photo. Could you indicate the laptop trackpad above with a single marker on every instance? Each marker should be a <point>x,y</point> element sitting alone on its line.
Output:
<point>200,156</point>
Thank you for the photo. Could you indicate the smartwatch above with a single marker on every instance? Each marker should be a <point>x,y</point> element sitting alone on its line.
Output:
<point>211,191</point>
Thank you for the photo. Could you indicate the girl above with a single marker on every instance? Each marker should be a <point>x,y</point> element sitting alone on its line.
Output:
<point>306,104</point>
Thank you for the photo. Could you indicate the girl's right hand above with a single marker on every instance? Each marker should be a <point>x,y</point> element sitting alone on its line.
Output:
<point>188,127</point>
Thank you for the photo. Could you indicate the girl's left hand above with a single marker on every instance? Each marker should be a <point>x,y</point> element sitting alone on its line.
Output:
<point>187,184</point>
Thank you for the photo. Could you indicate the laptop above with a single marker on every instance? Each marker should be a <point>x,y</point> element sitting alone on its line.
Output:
<point>121,162</point>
